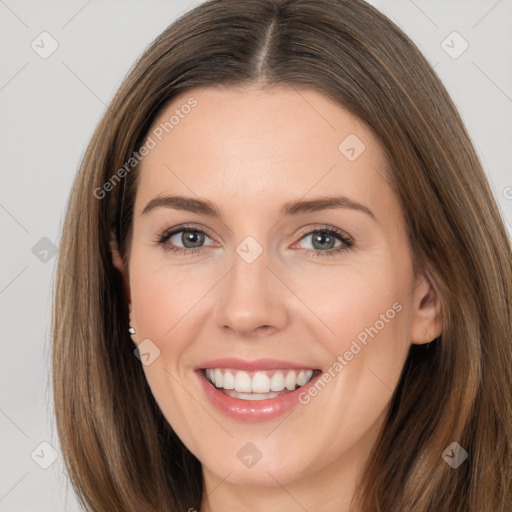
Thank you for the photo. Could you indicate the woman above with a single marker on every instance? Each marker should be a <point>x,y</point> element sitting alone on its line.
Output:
<point>271,371</point>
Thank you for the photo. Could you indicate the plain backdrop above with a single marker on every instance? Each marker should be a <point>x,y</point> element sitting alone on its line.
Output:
<point>48,110</point>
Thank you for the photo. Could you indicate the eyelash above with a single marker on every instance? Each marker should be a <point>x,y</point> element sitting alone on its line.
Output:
<point>168,233</point>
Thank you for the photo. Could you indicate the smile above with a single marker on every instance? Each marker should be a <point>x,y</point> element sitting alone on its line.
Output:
<point>259,385</point>
<point>254,391</point>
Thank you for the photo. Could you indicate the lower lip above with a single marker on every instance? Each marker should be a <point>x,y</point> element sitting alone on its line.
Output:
<point>252,411</point>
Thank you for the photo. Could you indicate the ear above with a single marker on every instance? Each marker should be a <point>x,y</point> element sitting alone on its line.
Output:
<point>426,323</point>
<point>119,264</point>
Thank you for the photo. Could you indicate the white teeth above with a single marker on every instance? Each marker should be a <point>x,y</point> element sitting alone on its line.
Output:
<point>243,382</point>
<point>260,383</point>
<point>228,381</point>
<point>290,380</point>
<point>301,378</point>
<point>218,377</point>
<point>304,376</point>
<point>250,396</point>
<point>263,383</point>
<point>277,382</point>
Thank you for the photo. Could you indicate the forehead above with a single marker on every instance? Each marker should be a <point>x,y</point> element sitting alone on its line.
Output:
<point>249,143</point>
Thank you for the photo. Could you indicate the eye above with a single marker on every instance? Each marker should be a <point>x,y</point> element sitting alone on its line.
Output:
<point>323,241</point>
<point>191,238</point>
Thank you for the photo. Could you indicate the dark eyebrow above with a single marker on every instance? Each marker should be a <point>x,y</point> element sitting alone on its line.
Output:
<point>188,204</point>
<point>323,203</point>
<point>291,208</point>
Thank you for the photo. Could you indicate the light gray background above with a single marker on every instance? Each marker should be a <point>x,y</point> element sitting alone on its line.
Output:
<point>48,110</point>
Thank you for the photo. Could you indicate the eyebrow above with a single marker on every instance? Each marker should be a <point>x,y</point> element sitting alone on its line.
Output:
<point>290,208</point>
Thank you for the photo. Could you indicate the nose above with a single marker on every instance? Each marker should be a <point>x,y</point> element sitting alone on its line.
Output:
<point>252,299</point>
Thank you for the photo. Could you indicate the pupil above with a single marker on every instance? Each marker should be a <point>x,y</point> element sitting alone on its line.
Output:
<point>321,237</point>
<point>195,238</point>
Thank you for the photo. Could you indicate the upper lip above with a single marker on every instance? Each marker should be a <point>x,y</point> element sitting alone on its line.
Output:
<point>251,366</point>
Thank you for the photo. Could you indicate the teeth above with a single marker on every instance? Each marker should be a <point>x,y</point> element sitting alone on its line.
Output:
<point>250,396</point>
<point>218,376</point>
<point>262,382</point>
<point>228,381</point>
<point>277,382</point>
<point>243,383</point>
<point>302,378</point>
<point>291,380</point>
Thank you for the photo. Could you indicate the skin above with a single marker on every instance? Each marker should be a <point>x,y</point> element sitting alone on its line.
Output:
<point>248,151</point>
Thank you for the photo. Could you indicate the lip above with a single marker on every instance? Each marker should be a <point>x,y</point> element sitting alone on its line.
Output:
<point>252,411</point>
<point>251,366</point>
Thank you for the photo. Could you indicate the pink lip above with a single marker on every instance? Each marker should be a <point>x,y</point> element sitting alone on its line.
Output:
<point>253,411</point>
<point>251,366</point>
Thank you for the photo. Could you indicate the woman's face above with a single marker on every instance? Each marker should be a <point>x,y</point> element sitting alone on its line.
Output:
<point>266,287</point>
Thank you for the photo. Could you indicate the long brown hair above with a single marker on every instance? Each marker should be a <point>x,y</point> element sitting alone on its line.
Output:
<point>120,452</point>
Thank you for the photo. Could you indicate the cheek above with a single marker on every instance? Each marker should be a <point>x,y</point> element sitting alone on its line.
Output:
<point>360,303</point>
<point>162,305</point>
<point>368,314</point>
<point>163,298</point>
<point>368,317</point>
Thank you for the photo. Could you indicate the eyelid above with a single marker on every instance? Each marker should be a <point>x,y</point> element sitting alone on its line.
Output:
<point>308,230</point>
<point>167,233</point>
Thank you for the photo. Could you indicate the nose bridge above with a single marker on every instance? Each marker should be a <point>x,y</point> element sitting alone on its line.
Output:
<point>251,296</point>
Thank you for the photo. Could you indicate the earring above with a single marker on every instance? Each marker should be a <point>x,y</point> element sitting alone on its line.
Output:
<point>131,330</point>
